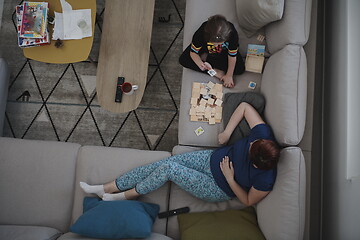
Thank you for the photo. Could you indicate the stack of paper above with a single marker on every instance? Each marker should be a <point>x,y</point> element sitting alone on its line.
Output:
<point>72,24</point>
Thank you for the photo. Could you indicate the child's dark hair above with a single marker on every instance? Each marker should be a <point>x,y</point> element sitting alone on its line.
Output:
<point>217,29</point>
<point>264,154</point>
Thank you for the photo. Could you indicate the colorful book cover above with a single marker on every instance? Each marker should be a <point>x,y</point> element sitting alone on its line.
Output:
<point>257,50</point>
<point>34,20</point>
<point>28,42</point>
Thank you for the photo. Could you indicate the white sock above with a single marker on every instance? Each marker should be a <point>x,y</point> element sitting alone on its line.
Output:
<point>114,196</point>
<point>97,189</point>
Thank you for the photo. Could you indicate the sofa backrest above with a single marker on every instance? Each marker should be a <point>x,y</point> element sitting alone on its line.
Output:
<point>37,182</point>
<point>98,165</point>
<point>293,28</point>
<point>4,84</point>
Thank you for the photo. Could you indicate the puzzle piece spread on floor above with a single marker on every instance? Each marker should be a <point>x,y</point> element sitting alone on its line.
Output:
<point>206,102</point>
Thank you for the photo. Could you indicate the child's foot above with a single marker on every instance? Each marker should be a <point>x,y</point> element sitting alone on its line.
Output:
<point>96,189</point>
<point>114,196</point>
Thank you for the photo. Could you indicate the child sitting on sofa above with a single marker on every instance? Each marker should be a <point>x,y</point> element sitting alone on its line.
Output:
<point>246,169</point>
<point>215,46</point>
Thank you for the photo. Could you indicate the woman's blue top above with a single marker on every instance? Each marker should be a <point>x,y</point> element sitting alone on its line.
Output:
<point>246,175</point>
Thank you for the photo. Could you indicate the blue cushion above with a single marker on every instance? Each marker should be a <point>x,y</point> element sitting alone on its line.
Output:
<point>115,219</point>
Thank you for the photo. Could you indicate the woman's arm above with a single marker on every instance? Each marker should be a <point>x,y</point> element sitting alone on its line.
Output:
<point>243,110</point>
<point>252,197</point>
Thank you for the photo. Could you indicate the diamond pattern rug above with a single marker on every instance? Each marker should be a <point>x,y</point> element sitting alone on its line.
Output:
<point>58,101</point>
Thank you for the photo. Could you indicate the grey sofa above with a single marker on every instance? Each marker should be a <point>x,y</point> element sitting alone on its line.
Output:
<point>4,84</point>
<point>41,197</point>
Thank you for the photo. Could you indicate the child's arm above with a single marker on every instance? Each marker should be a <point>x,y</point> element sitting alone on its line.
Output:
<point>228,77</point>
<point>197,60</point>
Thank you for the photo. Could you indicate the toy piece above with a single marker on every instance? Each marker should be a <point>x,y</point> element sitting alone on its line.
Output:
<point>252,85</point>
<point>218,102</point>
<point>211,72</point>
<point>199,131</point>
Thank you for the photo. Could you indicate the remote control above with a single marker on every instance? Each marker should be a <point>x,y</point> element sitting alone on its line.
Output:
<point>174,212</point>
<point>118,94</point>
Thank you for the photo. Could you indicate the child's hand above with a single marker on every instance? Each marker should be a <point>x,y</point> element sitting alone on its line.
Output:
<point>228,81</point>
<point>223,137</point>
<point>207,66</point>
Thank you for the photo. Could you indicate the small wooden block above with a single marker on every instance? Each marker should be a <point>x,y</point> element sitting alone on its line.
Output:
<point>219,95</point>
<point>213,110</point>
<point>203,102</point>
<point>207,115</point>
<point>217,120</point>
<point>192,111</point>
<point>210,84</point>
<point>203,91</point>
<point>200,108</point>
<point>212,120</point>
<point>218,87</point>
<point>211,101</point>
<point>196,85</point>
<point>194,101</point>
<point>208,109</point>
<point>213,91</point>
<point>195,94</point>
<point>193,118</point>
<point>218,102</point>
<point>218,116</point>
<point>218,109</point>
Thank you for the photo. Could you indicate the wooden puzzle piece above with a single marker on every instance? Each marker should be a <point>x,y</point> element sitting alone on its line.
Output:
<point>218,102</point>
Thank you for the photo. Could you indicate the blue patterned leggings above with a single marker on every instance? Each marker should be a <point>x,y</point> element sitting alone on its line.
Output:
<point>190,171</point>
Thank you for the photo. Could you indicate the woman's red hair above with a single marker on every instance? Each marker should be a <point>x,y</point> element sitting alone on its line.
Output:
<point>264,154</point>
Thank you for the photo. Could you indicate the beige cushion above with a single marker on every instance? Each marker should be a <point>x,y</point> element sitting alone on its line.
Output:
<point>281,215</point>
<point>98,165</point>
<point>293,28</point>
<point>284,87</point>
<point>14,232</point>
<point>254,14</point>
<point>37,182</point>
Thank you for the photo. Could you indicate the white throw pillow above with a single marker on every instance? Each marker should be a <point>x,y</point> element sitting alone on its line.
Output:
<point>254,14</point>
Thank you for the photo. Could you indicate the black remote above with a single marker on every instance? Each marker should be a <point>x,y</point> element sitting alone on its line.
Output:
<point>174,212</point>
<point>118,94</point>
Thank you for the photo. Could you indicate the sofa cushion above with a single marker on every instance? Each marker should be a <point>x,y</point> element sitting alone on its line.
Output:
<point>97,165</point>
<point>115,219</point>
<point>4,84</point>
<point>281,215</point>
<point>37,182</point>
<point>284,87</point>
<point>10,232</point>
<point>254,14</point>
<point>234,224</point>
<point>293,28</point>
<point>74,236</point>
<point>186,133</point>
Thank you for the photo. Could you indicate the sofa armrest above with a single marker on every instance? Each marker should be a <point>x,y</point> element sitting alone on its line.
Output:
<point>281,215</point>
<point>4,84</point>
<point>284,85</point>
<point>293,28</point>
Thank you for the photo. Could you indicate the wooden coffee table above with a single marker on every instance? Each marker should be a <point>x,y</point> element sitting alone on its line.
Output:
<point>72,50</point>
<point>124,51</point>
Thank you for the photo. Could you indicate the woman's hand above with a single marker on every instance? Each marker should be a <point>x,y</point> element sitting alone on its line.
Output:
<point>228,81</point>
<point>227,168</point>
<point>223,137</point>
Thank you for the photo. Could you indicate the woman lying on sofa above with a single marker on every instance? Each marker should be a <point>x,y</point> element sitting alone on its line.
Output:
<point>246,169</point>
<point>215,45</point>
